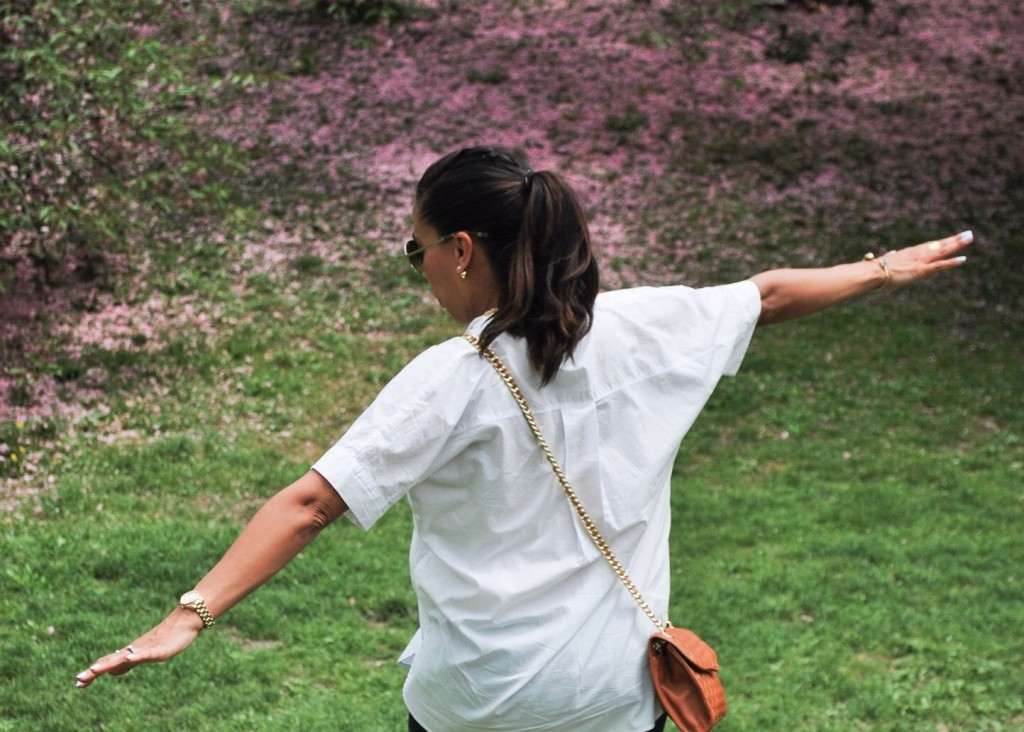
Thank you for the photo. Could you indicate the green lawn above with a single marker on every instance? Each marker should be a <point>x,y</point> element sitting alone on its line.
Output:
<point>847,527</point>
<point>848,509</point>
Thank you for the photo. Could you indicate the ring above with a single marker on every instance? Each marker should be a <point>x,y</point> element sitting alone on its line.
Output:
<point>935,246</point>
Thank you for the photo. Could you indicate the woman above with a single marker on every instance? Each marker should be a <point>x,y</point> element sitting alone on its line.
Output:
<point>523,624</point>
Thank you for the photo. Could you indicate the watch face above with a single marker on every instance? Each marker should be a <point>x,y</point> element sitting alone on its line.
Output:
<point>189,597</point>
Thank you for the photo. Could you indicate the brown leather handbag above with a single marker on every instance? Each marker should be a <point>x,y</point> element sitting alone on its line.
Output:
<point>684,668</point>
<point>685,673</point>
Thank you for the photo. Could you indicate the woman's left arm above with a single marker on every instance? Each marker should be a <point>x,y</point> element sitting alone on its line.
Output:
<point>787,294</point>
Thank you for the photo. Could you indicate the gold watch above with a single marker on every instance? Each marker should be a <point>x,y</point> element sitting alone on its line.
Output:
<point>194,601</point>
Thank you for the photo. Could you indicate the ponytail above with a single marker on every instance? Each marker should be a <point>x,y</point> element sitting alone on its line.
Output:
<point>536,239</point>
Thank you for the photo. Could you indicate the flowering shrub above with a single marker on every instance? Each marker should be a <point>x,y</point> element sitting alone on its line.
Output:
<point>705,141</point>
<point>98,105</point>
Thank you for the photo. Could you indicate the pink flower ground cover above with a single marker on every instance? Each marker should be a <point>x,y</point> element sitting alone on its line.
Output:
<point>703,145</point>
<point>906,114</point>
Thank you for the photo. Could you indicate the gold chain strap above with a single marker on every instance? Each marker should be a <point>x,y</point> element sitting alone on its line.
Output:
<point>574,500</point>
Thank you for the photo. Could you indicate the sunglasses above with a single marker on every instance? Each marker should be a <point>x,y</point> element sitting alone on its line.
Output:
<point>415,252</point>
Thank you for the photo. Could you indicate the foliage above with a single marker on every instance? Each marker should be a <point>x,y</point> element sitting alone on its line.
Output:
<point>98,113</point>
<point>630,120</point>
<point>791,48</point>
<point>13,448</point>
<point>361,12</point>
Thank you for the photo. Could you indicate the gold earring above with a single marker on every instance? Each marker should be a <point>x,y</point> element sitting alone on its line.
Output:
<point>464,273</point>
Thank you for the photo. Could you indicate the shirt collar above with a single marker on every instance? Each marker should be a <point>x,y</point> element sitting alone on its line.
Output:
<point>477,324</point>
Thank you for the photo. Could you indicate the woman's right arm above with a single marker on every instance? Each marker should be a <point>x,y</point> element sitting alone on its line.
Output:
<point>282,528</point>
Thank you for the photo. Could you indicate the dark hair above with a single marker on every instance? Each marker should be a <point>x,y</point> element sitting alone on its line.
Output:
<point>536,239</point>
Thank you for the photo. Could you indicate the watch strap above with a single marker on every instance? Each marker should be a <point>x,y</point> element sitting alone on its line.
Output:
<point>194,601</point>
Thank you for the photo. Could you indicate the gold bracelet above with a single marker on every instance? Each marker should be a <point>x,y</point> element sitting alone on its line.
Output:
<point>884,264</point>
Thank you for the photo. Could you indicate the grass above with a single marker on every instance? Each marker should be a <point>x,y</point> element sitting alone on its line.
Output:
<point>847,510</point>
<point>855,524</point>
<point>847,514</point>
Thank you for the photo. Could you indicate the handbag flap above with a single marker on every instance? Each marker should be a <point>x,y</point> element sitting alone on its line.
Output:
<point>696,652</point>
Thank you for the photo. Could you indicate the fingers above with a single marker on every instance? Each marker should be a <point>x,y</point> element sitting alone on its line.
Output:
<point>952,245</point>
<point>919,262</point>
<point>942,248</point>
<point>119,662</point>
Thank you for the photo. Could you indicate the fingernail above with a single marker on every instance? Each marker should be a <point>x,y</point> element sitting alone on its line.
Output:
<point>961,260</point>
<point>967,237</point>
<point>80,684</point>
<point>82,675</point>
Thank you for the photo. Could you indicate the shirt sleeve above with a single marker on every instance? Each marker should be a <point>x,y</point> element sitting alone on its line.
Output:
<point>736,309</point>
<point>405,434</point>
<point>713,325</point>
<point>705,331</point>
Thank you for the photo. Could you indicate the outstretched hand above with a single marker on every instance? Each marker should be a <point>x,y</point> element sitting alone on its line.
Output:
<point>282,528</point>
<point>923,260</point>
<point>787,294</point>
<point>166,640</point>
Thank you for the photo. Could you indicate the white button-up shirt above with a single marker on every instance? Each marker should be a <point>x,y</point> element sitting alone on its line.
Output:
<point>523,625</point>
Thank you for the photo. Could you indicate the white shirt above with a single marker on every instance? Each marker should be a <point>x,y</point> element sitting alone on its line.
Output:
<point>523,625</point>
